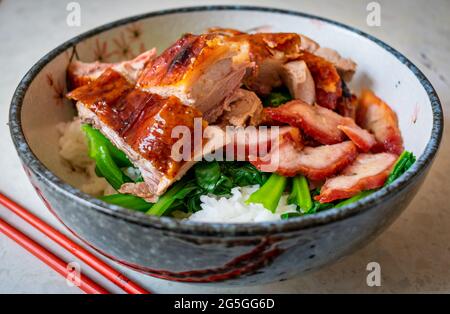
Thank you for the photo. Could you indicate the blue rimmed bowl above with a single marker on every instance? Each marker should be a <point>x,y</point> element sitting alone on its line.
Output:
<point>200,252</point>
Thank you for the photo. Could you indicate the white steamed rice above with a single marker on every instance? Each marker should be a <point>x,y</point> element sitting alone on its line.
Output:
<point>74,150</point>
<point>233,209</point>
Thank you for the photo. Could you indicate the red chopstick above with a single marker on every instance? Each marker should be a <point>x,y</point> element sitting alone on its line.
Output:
<point>87,257</point>
<point>86,284</point>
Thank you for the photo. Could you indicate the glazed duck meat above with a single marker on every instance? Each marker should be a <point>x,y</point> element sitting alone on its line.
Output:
<point>82,73</point>
<point>242,108</point>
<point>267,52</point>
<point>290,59</point>
<point>298,79</point>
<point>201,70</point>
<point>141,125</point>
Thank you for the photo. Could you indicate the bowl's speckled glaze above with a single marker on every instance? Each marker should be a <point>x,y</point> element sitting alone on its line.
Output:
<point>198,252</point>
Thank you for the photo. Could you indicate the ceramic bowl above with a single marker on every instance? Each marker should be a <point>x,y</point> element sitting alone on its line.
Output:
<point>199,252</point>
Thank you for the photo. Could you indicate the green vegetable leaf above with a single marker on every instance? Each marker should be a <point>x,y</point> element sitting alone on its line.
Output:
<point>208,175</point>
<point>192,201</point>
<point>277,98</point>
<point>243,173</point>
<point>404,162</point>
<point>318,207</point>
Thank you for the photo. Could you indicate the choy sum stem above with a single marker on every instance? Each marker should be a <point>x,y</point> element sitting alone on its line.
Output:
<point>105,164</point>
<point>353,199</point>
<point>176,192</point>
<point>269,193</point>
<point>127,201</point>
<point>300,194</point>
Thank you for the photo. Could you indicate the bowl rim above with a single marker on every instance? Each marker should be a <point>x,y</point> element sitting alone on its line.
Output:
<point>215,229</point>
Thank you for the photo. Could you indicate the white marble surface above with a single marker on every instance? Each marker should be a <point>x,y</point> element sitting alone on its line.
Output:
<point>414,253</point>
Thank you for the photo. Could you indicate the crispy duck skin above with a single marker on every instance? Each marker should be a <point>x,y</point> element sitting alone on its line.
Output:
<point>326,78</point>
<point>376,116</point>
<point>345,67</point>
<point>201,70</point>
<point>140,124</point>
<point>316,163</point>
<point>81,73</point>
<point>366,173</point>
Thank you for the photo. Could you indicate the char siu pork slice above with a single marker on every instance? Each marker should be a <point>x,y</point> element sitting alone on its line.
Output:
<point>141,124</point>
<point>376,116</point>
<point>81,73</point>
<point>242,108</point>
<point>321,124</point>
<point>316,163</point>
<point>252,143</point>
<point>366,173</point>
<point>360,137</point>
<point>315,121</point>
<point>201,70</point>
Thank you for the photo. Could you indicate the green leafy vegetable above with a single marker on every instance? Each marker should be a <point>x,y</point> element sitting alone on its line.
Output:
<point>353,199</point>
<point>277,98</point>
<point>213,179</point>
<point>243,173</point>
<point>117,155</point>
<point>192,201</point>
<point>172,198</point>
<point>404,162</point>
<point>127,201</point>
<point>269,193</point>
<point>318,207</point>
<point>300,194</point>
<point>219,178</point>
<point>106,165</point>
<point>290,215</point>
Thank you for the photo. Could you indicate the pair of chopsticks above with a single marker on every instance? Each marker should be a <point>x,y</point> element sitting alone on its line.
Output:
<point>85,283</point>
